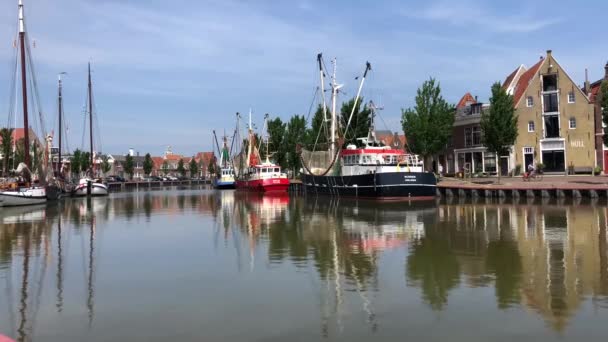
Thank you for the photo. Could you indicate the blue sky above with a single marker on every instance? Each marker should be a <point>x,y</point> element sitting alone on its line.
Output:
<point>168,72</point>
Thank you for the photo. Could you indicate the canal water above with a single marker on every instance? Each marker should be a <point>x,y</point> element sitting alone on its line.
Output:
<point>200,265</point>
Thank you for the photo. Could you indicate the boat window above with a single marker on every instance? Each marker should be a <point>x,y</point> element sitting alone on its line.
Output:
<point>264,170</point>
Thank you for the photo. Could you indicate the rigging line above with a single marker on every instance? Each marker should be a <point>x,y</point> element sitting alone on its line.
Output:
<point>13,88</point>
<point>314,97</point>
<point>35,85</point>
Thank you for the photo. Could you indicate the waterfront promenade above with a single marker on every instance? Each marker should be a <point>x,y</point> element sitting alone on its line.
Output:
<point>549,186</point>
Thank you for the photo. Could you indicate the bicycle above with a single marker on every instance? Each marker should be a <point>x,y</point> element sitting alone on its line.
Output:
<point>530,176</point>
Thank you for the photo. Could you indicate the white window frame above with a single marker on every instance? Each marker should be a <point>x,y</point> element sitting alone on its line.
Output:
<point>531,123</point>
<point>570,122</point>
<point>529,101</point>
<point>573,99</point>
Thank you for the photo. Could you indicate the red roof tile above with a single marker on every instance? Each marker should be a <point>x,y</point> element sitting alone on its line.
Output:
<point>510,78</point>
<point>466,100</point>
<point>524,81</point>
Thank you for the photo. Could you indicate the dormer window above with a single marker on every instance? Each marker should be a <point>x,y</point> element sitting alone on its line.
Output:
<point>476,108</point>
<point>529,101</point>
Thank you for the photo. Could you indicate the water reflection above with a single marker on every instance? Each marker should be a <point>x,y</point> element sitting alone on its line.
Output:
<point>549,258</point>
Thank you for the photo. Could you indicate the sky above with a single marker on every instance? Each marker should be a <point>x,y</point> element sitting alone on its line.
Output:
<point>168,73</point>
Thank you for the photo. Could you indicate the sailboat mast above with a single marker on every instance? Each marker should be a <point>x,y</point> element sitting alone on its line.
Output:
<point>60,109</point>
<point>26,133</point>
<point>250,144</point>
<point>91,116</point>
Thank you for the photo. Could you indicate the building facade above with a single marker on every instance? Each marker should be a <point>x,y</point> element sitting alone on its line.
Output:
<point>555,119</point>
<point>593,91</point>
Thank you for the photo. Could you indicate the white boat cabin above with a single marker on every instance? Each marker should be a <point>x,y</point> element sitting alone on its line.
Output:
<point>374,157</point>
<point>266,170</point>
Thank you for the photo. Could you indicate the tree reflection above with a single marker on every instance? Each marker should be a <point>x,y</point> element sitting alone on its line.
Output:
<point>433,267</point>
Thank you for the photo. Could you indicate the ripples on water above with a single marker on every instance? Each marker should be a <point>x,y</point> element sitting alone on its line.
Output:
<point>195,265</point>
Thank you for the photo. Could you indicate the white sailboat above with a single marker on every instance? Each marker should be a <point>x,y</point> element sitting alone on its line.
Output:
<point>14,193</point>
<point>89,186</point>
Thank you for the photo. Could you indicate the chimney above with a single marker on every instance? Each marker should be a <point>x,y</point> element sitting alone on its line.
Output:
<point>549,53</point>
<point>475,98</point>
<point>138,153</point>
<point>587,86</point>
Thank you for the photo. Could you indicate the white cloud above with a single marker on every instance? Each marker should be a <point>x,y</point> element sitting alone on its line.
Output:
<point>474,16</point>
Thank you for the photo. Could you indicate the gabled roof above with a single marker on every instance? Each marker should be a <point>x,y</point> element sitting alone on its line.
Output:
<point>512,79</point>
<point>466,100</point>
<point>392,139</point>
<point>173,157</point>
<point>205,157</point>
<point>157,162</point>
<point>19,133</point>
<point>524,81</point>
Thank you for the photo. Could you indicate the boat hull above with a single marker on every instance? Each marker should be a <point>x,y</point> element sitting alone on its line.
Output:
<point>218,184</point>
<point>270,185</point>
<point>382,186</point>
<point>97,189</point>
<point>23,197</point>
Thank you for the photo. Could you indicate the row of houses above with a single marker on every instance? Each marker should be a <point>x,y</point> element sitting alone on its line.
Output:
<point>559,125</point>
<point>166,165</point>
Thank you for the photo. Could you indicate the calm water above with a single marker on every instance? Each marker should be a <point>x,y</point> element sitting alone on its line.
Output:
<point>198,265</point>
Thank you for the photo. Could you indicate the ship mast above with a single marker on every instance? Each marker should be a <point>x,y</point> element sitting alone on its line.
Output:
<point>60,109</point>
<point>250,144</point>
<point>90,94</point>
<point>26,133</point>
<point>267,137</point>
<point>334,98</point>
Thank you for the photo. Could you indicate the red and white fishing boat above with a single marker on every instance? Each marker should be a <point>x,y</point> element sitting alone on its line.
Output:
<point>260,176</point>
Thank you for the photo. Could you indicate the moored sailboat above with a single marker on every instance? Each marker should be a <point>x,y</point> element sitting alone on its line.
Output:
<point>22,191</point>
<point>88,185</point>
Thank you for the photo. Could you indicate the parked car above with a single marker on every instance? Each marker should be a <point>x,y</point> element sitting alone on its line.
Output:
<point>155,179</point>
<point>172,178</point>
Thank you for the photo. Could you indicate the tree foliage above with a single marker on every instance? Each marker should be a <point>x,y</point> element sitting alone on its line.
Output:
<point>105,165</point>
<point>276,132</point>
<point>604,107</point>
<point>180,167</point>
<point>499,124</point>
<point>428,126</point>
<point>148,164</point>
<point>75,162</point>
<point>360,122</point>
<point>193,167</point>
<point>296,132</point>
<point>319,129</point>
<point>85,161</point>
<point>6,148</point>
<point>129,167</point>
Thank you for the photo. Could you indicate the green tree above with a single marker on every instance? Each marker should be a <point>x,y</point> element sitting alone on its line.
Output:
<point>296,132</point>
<point>276,132</point>
<point>193,167</point>
<point>211,168</point>
<point>148,164</point>
<point>129,166</point>
<point>499,124</point>
<point>604,106</point>
<point>319,129</point>
<point>75,163</point>
<point>85,161</point>
<point>105,165</point>
<point>180,167</point>
<point>6,148</point>
<point>359,124</point>
<point>428,126</point>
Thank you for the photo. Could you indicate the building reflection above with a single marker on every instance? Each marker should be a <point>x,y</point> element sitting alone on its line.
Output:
<point>549,258</point>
